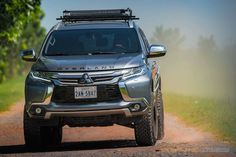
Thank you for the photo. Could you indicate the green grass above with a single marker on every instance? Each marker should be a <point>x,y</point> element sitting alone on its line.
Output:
<point>216,116</point>
<point>11,91</point>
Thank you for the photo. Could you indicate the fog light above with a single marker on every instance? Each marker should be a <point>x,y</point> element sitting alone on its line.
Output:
<point>135,107</point>
<point>38,110</point>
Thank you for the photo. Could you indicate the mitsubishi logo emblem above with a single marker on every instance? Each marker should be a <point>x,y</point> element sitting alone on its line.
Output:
<point>85,79</point>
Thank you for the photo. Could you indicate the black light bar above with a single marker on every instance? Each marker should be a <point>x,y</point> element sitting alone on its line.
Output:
<point>97,15</point>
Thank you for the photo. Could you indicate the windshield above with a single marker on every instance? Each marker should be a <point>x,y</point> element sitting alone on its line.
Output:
<point>92,42</point>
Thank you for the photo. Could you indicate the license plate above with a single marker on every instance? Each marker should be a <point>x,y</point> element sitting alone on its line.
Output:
<point>85,92</point>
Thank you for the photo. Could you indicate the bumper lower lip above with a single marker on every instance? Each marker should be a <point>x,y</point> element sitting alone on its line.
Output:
<point>96,109</point>
<point>124,111</point>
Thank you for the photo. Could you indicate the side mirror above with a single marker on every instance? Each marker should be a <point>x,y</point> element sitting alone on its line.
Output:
<point>157,51</point>
<point>28,55</point>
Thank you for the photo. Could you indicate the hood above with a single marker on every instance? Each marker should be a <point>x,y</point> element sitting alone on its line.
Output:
<point>88,63</point>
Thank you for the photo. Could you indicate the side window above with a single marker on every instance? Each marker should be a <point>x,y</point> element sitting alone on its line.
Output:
<point>144,39</point>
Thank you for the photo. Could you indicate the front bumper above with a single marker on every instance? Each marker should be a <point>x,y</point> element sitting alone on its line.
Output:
<point>134,90</point>
<point>62,112</point>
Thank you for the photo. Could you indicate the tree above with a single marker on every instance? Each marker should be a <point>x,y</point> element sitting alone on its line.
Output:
<point>3,63</point>
<point>14,14</point>
<point>19,29</point>
<point>206,44</point>
<point>170,37</point>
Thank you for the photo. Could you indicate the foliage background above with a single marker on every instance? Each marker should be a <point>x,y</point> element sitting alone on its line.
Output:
<point>20,29</point>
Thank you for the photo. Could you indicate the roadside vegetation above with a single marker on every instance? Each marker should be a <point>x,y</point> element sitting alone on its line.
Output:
<point>11,91</point>
<point>216,116</point>
<point>20,29</point>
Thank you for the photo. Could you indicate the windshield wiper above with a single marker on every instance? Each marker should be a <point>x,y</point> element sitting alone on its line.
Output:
<point>100,52</point>
<point>90,53</point>
<point>58,54</point>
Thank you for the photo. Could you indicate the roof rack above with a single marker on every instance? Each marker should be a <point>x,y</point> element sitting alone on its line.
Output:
<point>97,15</point>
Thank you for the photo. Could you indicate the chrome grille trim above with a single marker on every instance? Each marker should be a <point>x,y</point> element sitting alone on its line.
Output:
<point>98,77</point>
<point>98,73</point>
<point>96,80</point>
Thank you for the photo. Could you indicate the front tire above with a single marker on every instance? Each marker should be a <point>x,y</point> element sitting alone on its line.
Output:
<point>37,136</point>
<point>146,130</point>
<point>160,108</point>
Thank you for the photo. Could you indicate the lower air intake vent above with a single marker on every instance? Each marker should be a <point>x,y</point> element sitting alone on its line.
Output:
<point>65,94</point>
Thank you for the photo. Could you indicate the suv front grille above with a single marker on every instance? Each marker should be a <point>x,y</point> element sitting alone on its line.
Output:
<point>65,94</point>
<point>75,81</point>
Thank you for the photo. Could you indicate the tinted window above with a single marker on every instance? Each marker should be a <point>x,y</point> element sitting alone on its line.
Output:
<point>90,41</point>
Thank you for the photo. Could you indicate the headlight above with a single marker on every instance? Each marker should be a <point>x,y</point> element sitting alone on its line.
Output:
<point>43,76</point>
<point>134,72</point>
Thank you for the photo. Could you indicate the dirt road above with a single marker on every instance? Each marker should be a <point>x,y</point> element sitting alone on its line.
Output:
<point>180,140</point>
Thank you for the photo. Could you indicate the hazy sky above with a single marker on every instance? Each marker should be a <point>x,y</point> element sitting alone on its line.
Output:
<point>192,17</point>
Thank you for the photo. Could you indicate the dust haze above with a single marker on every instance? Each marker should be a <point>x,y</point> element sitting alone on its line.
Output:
<point>201,40</point>
<point>205,69</point>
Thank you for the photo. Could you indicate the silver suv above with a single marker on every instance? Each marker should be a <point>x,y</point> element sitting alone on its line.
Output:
<point>95,68</point>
